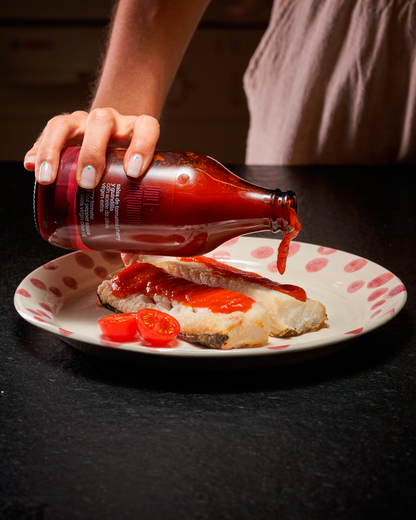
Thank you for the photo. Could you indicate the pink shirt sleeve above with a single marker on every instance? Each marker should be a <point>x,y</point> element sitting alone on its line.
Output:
<point>334,82</point>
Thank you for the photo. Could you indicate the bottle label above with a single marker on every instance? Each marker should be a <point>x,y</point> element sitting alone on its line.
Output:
<point>137,197</point>
<point>109,216</point>
<point>112,210</point>
<point>118,205</point>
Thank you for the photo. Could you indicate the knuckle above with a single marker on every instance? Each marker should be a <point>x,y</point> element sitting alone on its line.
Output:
<point>79,113</point>
<point>58,122</point>
<point>101,115</point>
<point>148,122</point>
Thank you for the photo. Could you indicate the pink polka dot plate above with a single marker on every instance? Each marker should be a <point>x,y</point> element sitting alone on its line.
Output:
<point>359,296</point>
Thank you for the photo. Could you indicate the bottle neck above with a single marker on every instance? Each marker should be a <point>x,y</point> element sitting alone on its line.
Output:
<point>281,204</point>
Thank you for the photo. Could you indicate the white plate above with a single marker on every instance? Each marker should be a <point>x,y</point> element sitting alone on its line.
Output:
<point>359,295</point>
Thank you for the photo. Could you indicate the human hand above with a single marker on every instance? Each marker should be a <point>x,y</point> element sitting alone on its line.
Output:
<point>94,131</point>
<point>129,258</point>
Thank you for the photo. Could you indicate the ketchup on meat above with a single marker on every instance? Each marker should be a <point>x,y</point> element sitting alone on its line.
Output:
<point>220,269</point>
<point>150,280</point>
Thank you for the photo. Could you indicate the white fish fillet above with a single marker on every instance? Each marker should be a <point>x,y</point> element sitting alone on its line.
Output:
<point>199,325</point>
<point>289,316</point>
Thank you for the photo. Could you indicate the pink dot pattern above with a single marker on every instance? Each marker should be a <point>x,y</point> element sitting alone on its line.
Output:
<point>50,266</point>
<point>355,265</point>
<point>263,252</point>
<point>44,313</point>
<point>279,347</point>
<point>379,292</point>
<point>316,265</point>
<point>395,291</point>
<point>46,307</point>
<point>38,284</point>
<point>326,251</point>
<point>356,331</point>
<point>376,294</point>
<point>64,332</point>
<point>378,304</point>
<point>380,280</point>
<point>294,247</point>
<point>70,282</point>
<point>376,288</point>
<point>231,242</point>
<point>24,293</point>
<point>101,272</point>
<point>355,286</point>
<point>84,260</point>
<point>272,267</point>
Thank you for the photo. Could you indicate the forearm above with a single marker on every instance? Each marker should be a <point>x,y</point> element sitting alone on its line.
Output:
<point>147,43</point>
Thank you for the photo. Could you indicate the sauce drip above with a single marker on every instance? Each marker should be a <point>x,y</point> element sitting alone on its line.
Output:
<point>283,251</point>
<point>150,280</point>
<point>220,269</point>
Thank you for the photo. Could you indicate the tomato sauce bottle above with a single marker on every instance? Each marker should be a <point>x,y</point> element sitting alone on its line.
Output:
<point>185,204</point>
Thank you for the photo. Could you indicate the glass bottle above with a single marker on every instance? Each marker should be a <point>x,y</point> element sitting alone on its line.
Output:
<point>186,204</point>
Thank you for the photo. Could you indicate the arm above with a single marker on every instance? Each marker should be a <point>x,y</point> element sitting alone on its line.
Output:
<point>147,43</point>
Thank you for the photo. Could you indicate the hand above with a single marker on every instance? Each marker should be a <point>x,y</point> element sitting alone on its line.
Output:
<point>94,131</point>
<point>130,258</point>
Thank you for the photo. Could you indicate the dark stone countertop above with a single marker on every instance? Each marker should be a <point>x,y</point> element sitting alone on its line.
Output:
<point>329,438</point>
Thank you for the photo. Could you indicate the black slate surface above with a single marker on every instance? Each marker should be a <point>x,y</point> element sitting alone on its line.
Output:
<point>331,438</point>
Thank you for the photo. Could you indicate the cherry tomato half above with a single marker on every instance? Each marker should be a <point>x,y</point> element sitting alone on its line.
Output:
<point>157,327</point>
<point>119,327</point>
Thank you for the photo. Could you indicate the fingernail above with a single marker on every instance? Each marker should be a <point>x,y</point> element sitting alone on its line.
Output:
<point>88,178</point>
<point>134,166</point>
<point>45,172</point>
<point>30,159</point>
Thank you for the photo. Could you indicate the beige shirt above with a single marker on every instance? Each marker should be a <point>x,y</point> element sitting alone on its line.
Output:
<point>334,82</point>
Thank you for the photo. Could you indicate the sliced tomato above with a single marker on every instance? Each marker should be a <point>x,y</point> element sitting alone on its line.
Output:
<point>157,327</point>
<point>119,327</point>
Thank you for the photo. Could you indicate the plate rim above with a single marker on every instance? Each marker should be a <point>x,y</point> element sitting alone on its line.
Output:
<point>202,352</point>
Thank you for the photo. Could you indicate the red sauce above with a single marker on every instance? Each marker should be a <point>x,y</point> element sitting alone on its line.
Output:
<point>150,280</point>
<point>283,250</point>
<point>220,269</point>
